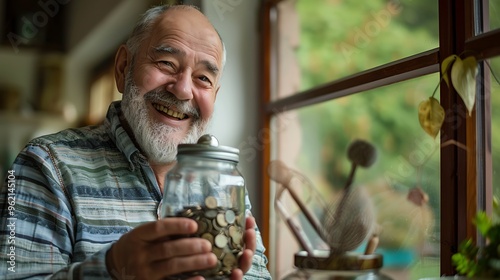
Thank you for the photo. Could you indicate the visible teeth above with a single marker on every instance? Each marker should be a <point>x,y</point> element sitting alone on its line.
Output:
<point>169,112</point>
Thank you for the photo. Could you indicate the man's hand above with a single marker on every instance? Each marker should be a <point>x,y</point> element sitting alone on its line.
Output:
<point>245,260</point>
<point>154,251</point>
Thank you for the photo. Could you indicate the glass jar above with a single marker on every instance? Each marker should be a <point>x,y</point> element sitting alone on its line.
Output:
<point>206,186</point>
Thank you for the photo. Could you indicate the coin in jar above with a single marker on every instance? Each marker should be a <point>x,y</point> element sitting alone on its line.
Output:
<point>221,219</point>
<point>209,237</point>
<point>220,240</point>
<point>229,216</point>
<point>211,202</point>
<point>229,260</point>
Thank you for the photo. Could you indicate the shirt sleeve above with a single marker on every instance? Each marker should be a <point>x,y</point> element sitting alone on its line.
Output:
<point>37,228</point>
<point>259,263</point>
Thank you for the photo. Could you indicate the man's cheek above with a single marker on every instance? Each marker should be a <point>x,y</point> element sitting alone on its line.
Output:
<point>206,108</point>
<point>150,80</point>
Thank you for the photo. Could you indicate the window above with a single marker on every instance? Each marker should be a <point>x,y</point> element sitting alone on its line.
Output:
<point>337,71</point>
<point>494,87</point>
<point>493,9</point>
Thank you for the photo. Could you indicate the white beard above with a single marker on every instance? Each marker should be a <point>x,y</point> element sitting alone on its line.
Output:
<point>158,140</point>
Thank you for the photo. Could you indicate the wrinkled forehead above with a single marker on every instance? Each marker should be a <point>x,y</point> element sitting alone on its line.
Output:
<point>189,27</point>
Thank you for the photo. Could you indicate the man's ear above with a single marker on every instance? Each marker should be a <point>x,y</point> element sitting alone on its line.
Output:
<point>122,59</point>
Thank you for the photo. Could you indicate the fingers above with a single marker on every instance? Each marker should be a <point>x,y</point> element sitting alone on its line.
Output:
<point>178,265</point>
<point>179,248</point>
<point>250,222</point>
<point>236,274</point>
<point>196,278</point>
<point>156,250</point>
<point>245,265</point>
<point>245,261</point>
<point>250,235</point>
<point>165,227</point>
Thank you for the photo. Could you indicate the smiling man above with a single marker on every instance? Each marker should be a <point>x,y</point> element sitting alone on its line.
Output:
<point>87,198</point>
<point>170,81</point>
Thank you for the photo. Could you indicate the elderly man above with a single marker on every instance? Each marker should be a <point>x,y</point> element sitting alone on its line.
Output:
<point>85,200</point>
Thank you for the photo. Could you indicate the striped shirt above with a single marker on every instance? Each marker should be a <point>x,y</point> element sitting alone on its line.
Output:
<point>72,195</point>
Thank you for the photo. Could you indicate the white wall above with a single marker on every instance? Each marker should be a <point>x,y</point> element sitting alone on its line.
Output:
<point>235,121</point>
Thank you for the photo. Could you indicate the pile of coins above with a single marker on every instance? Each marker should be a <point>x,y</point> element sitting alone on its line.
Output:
<point>223,228</point>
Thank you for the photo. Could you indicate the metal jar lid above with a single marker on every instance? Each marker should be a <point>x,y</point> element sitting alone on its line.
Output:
<point>208,147</point>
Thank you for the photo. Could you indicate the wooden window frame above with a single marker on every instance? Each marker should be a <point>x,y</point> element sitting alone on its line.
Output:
<point>461,180</point>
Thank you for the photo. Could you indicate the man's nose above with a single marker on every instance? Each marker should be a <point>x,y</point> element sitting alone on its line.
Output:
<point>182,87</point>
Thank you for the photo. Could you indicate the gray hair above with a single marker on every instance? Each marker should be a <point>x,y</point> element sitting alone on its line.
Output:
<point>142,28</point>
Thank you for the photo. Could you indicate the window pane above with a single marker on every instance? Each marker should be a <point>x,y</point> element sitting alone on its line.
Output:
<point>403,184</point>
<point>495,128</point>
<point>323,40</point>
<point>494,11</point>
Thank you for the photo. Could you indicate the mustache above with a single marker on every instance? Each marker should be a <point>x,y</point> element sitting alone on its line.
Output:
<point>168,99</point>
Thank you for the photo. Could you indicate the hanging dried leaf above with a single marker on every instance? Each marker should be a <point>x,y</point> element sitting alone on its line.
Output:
<point>431,116</point>
<point>445,67</point>
<point>463,78</point>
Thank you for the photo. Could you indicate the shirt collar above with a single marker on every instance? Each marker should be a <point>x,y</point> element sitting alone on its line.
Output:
<point>118,133</point>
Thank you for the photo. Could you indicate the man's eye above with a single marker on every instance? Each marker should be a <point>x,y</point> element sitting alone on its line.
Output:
<point>205,79</point>
<point>167,63</point>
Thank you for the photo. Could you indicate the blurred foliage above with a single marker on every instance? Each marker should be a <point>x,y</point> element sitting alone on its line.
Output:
<point>345,37</point>
<point>473,261</point>
<point>339,38</point>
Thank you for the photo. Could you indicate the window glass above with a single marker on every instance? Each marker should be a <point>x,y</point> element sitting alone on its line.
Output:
<point>494,11</point>
<point>495,126</point>
<point>323,40</point>
<point>403,184</point>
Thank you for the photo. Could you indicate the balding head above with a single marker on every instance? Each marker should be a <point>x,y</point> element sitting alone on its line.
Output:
<point>144,27</point>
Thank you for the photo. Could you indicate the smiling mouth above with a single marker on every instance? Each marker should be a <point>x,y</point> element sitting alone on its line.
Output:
<point>166,111</point>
